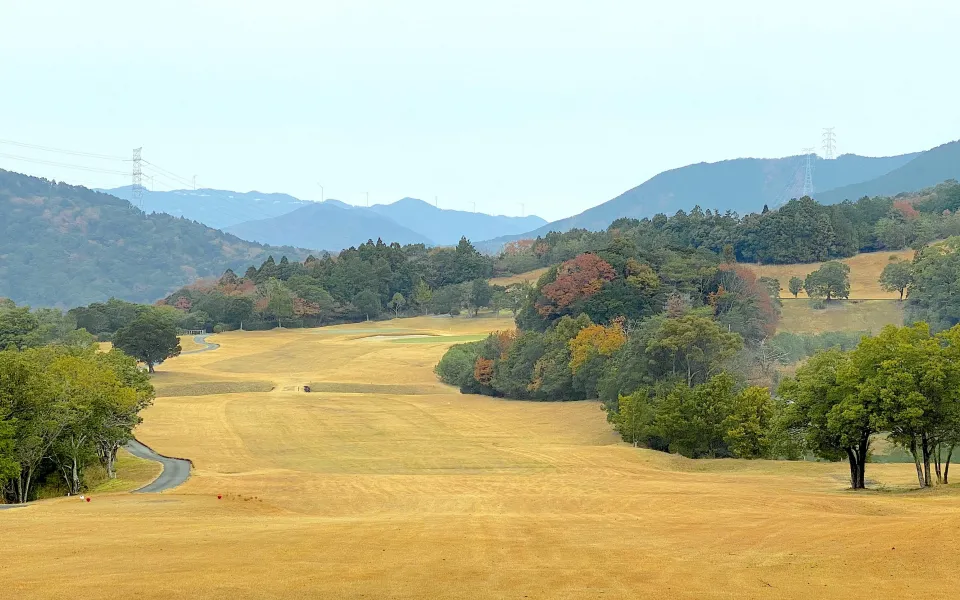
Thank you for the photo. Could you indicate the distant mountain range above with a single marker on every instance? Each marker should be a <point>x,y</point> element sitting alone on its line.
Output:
<point>327,226</point>
<point>445,227</point>
<point>214,208</point>
<point>745,185</point>
<point>64,245</point>
<point>926,170</point>
<point>264,217</point>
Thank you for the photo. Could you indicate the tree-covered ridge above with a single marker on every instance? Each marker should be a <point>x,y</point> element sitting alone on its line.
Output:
<point>741,185</point>
<point>801,231</point>
<point>357,284</point>
<point>64,245</point>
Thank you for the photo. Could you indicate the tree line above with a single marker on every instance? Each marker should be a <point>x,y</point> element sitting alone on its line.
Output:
<point>63,410</point>
<point>361,283</point>
<point>801,231</point>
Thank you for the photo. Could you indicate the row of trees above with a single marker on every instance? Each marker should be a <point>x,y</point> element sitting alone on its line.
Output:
<point>64,409</point>
<point>147,333</point>
<point>22,328</point>
<point>358,284</point>
<point>801,231</point>
<point>905,381</point>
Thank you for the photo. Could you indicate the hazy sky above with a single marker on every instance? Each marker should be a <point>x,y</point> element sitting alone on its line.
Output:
<point>556,104</point>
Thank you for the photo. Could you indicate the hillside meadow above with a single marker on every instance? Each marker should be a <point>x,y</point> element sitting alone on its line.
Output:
<point>797,316</point>
<point>384,483</point>
<point>865,270</point>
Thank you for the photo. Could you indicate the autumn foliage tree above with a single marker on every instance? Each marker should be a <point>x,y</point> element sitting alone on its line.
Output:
<point>483,370</point>
<point>577,279</point>
<point>595,340</point>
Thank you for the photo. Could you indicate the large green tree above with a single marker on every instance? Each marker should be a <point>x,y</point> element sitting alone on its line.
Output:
<point>795,286</point>
<point>150,338</point>
<point>897,277</point>
<point>16,327</point>
<point>914,378</point>
<point>830,281</point>
<point>691,346</point>
<point>694,420</point>
<point>481,293</point>
<point>934,295</point>
<point>836,420</point>
<point>368,303</point>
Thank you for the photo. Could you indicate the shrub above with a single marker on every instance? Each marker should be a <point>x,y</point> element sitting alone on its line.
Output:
<point>457,366</point>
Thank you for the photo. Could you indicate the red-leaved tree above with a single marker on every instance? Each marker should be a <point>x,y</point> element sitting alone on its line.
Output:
<point>577,279</point>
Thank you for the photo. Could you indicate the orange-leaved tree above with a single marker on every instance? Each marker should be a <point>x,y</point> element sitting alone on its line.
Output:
<point>577,279</point>
<point>595,339</point>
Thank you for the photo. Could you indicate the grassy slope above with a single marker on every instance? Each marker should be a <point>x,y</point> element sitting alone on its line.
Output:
<point>132,473</point>
<point>850,315</point>
<point>342,493</point>
<point>529,277</point>
<point>865,272</point>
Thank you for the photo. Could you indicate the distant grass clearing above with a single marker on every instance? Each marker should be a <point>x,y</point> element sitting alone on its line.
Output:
<point>376,388</point>
<point>528,277</point>
<point>839,315</point>
<point>212,387</point>
<point>865,270</point>
<point>389,337</point>
<point>437,339</point>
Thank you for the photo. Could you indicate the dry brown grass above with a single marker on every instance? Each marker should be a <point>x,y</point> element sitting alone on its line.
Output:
<point>845,315</point>
<point>338,494</point>
<point>865,272</point>
<point>528,277</point>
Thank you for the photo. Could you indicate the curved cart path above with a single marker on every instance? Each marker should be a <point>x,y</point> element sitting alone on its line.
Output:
<point>175,470</point>
<point>202,339</point>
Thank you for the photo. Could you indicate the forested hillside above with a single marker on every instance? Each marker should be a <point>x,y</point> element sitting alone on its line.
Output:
<point>929,168</point>
<point>64,245</point>
<point>740,185</point>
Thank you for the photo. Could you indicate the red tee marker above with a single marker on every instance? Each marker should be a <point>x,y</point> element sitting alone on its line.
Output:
<point>219,496</point>
<point>88,498</point>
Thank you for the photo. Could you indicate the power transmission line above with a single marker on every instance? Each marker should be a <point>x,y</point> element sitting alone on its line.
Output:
<point>61,150</point>
<point>165,179</point>
<point>52,163</point>
<point>136,172</point>
<point>173,175</point>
